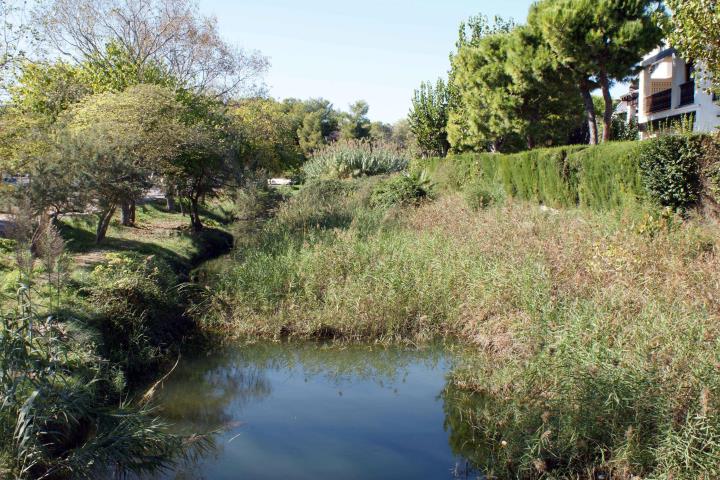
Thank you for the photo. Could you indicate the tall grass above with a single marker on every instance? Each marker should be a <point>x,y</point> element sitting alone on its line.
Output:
<point>596,334</point>
<point>63,411</point>
<point>356,158</point>
<point>67,355</point>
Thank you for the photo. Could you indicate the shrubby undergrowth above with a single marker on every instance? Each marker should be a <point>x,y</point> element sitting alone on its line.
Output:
<point>64,374</point>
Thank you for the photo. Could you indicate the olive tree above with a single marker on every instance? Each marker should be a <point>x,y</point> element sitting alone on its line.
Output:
<point>117,141</point>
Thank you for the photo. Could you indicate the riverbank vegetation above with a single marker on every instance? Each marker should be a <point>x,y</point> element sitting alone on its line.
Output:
<point>570,287</point>
<point>583,280</point>
<point>88,327</point>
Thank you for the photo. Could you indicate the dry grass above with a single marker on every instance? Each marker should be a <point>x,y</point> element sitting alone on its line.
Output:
<point>596,336</point>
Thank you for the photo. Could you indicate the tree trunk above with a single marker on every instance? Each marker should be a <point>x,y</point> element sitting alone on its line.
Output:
<point>127,213</point>
<point>170,202</point>
<point>607,115</point>
<point>530,142</point>
<point>195,221</point>
<point>182,206</point>
<point>104,223</point>
<point>589,112</point>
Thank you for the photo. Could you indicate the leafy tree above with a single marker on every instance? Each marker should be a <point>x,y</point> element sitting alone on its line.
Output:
<point>115,68</point>
<point>478,50</point>
<point>428,117</point>
<point>208,160</point>
<point>599,41</point>
<point>547,103</point>
<point>116,141</point>
<point>48,89</point>
<point>402,136</point>
<point>483,84</point>
<point>269,139</point>
<point>356,124</point>
<point>380,132</point>
<point>696,35</point>
<point>316,120</point>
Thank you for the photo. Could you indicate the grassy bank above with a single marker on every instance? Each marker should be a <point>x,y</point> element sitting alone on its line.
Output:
<point>83,326</point>
<point>595,333</point>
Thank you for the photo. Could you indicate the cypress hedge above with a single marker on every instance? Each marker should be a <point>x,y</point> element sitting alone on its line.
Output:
<point>600,177</point>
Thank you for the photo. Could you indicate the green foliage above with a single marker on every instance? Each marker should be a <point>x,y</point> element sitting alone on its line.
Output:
<point>670,168</point>
<point>356,125</point>
<point>609,176</point>
<point>65,412</point>
<point>112,143</point>
<point>479,195</point>
<point>136,310</point>
<point>355,158</point>
<point>428,117</point>
<point>402,190</point>
<point>315,122</point>
<point>510,91</point>
<point>48,89</point>
<point>622,130</point>
<point>269,138</point>
<point>602,177</point>
<point>599,41</point>
<point>695,34</point>
<point>116,68</point>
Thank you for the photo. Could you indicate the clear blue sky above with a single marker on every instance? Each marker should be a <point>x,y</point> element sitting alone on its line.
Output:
<point>376,50</point>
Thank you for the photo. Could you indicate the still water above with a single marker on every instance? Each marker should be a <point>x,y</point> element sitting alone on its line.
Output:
<point>311,411</point>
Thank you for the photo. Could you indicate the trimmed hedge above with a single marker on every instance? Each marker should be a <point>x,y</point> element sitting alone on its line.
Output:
<point>600,177</point>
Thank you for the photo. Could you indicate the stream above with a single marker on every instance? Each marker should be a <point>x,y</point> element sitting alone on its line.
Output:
<point>315,411</point>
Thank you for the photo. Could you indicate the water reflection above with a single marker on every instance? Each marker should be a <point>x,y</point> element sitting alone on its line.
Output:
<point>317,411</point>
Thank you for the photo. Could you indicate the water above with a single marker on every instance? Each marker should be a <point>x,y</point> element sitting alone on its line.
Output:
<point>308,411</point>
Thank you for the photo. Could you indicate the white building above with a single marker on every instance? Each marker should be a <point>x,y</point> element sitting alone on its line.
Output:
<point>669,92</point>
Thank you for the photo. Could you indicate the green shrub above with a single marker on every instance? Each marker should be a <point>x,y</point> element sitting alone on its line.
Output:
<point>624,131</point>
<point>407,189</point>
<point>136,310</point>
<point>479,195</point>
<point>670,168</point>
<point>710,169</point>
<point>355,158</point>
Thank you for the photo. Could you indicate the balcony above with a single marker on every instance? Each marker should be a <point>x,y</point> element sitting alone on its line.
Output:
<point>658,102</point>
<point>687,93</point>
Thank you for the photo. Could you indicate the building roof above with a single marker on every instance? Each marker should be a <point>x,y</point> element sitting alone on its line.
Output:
<point>656,58</point>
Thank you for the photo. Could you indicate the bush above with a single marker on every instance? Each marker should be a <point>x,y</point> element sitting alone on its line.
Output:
<point>407,189</point>
<point>479,195</point>
<point>136,310</point>
<point>355,158</point>
<point>624,131</point>
<point>670,167</point>
<point>608,175</point>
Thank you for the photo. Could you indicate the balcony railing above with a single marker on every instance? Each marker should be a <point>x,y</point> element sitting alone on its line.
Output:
<point>687,93</point>
<point>658,102</point>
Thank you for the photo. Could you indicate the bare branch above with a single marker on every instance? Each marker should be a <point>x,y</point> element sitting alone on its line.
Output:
<point>170,33</point>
